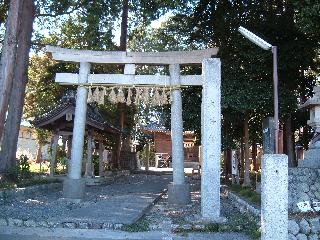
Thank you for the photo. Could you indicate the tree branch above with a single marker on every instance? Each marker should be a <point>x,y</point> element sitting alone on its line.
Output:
<point>59,14</point>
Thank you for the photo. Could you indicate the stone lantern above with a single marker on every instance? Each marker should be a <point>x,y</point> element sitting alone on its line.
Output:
<point>312,156</point>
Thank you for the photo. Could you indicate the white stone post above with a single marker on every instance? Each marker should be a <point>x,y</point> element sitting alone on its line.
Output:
<point>211,139</point>
<point>54,153</point>
<point>89,168</point>
<point>74,185</point>
<point>274,197</point>
<point>178,191</point>
<point>101,167</point>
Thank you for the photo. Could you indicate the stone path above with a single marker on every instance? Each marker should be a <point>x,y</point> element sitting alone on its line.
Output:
<point>15,233</point>
<point>122,202</point>
<point>103,207</point>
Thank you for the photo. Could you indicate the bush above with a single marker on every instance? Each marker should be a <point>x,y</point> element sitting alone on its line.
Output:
<point>20,171</point>
<point>246,192</point>
<point>139,226</point>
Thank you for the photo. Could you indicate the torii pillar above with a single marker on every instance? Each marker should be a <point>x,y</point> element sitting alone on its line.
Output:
<point>178,190</point>
<point>211,139</point>
<point>74,184</point>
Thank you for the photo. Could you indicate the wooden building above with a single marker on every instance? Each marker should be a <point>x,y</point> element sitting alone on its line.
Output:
<point>60,120</point>
<point>163,145</point>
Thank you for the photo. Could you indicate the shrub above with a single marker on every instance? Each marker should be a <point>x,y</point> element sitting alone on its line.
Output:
<point>20,171</point>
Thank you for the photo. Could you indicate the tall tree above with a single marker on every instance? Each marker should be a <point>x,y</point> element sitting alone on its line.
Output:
<point>20,79</point>
<point>8,57</point>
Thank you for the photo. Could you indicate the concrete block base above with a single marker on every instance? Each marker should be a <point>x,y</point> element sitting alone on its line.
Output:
<point>94,181</point>
<point>179,194</point>
<point>74,188</point>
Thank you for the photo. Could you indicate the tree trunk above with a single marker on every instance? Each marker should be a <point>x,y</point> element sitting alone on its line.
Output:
<point>122,47</point>
<point>241,167</point>
<point>8,57</point>
<point>227,162</point>
<point>124,26</point>
<point>39,153</point>
<point>288,142</point>
<point>254,155</point>
<point>246,152</point>
<point>12,126</point>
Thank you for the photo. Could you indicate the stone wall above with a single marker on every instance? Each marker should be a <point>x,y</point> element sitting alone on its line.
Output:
<point>304,185</point>
<point>304,229</point>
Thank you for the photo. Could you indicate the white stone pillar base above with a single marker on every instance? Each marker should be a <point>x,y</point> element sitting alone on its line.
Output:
<point>274,197</point>
<point>74,189</point>
<point>179,194</point>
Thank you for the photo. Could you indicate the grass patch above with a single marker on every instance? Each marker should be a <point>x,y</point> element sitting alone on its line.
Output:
<point>32,182</point>
<point>27,183</point>
<point>139,226</point>
<point>245,223</point>
<point>7,185</point>
<point>247,192</point>
<point>242,223</point>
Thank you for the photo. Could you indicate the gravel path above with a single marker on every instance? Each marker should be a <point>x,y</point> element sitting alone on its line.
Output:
<point>167,221</point>
<point>47,205</point>
<point>186,220</point>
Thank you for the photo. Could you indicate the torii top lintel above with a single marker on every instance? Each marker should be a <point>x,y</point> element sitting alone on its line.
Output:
<point>118,57</point>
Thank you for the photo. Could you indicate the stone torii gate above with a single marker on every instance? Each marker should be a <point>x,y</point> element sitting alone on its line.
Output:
<point>178,190</point>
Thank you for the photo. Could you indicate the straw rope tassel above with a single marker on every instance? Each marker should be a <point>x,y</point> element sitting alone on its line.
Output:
<point>169,97</point>
<point>137,99</point>
<point>129,102</point>
<point>112,96</point>
<point>96,95</point>
<point>90,97</point>
<point>101,97</point>
<point>164,99</point>
<point>145,95</point>
<point>157,98</point>
<point>121,98</point>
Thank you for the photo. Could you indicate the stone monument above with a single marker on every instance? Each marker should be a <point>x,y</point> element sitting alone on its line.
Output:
<point>312,156</point>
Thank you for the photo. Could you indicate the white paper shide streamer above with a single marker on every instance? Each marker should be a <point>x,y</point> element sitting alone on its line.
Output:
<point>129,95</point>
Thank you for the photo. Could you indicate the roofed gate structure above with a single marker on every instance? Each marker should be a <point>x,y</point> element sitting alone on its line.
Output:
<point>60,120</point>
<point>178,190</point>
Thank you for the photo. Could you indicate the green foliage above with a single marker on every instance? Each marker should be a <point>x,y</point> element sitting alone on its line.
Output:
<point>32,182</point>
<point>243,223</point>
<point>247,192</point>
<point>308,17</point>
<point>27,183</point>
<point>7,185</point>
<point>95,162</point>
<point>21,171</point>
<point>4,6</point>
<point>247,86</point>
<point>141,225</point>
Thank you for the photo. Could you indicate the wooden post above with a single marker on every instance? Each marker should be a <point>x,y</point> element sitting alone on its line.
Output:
<point>89,165</point>
<point>54,152</point>
<point>147,156</point>
<point>101,164</point>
